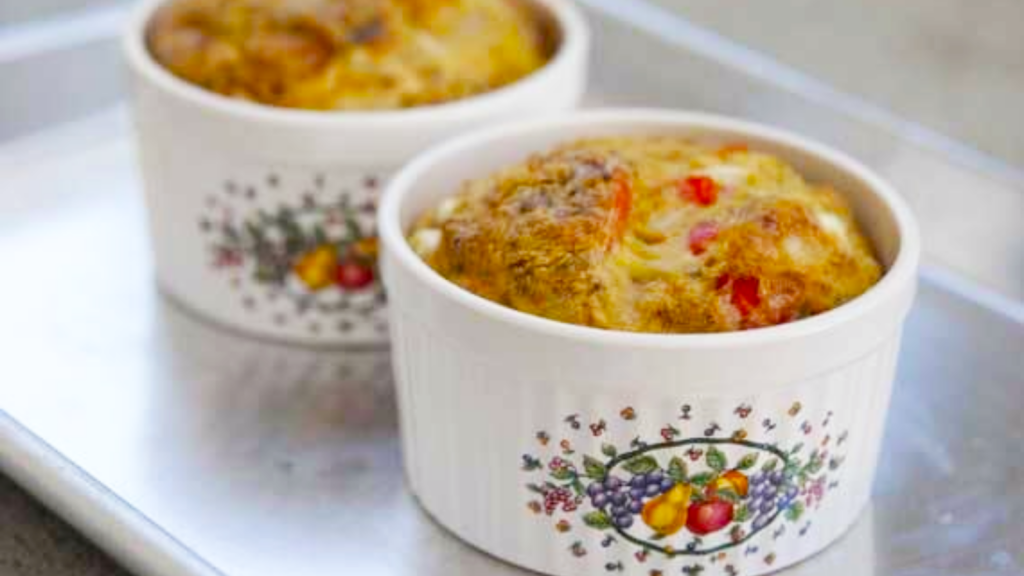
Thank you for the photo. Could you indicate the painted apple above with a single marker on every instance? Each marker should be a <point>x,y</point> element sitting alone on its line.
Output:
<point>353,276</point>
<point>709,516</point>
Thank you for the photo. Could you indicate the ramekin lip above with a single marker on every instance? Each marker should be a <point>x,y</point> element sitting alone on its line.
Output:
<point>900,276</point>
<point>571,53</point>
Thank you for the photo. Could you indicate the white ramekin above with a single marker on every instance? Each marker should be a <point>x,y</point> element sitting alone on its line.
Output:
<point>212,165</point>
<point>495,403</point>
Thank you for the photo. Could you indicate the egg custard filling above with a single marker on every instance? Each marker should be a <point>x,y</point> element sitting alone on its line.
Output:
<point>651,234</point>
<point>349,54</point>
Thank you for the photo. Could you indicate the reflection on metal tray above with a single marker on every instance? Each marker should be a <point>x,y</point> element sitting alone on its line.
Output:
<point>188,450</point>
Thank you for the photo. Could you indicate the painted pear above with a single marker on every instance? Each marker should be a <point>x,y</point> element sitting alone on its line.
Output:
<point>317,269</point>
<point>666,514</point>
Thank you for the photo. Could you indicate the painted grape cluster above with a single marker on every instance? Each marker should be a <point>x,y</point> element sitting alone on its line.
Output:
<point>771,492</point>
<point>622,500</point>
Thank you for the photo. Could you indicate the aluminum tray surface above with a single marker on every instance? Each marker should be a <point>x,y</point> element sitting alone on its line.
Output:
<point>185,449</point>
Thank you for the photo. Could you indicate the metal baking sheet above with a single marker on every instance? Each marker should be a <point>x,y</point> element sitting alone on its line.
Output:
<point>185,449</point>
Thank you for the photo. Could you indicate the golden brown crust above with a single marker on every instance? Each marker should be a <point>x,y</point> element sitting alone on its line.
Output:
<point>347,54</point>
<point>652,235</point>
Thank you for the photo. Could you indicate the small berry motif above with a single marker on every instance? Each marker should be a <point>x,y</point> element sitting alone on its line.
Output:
<point>319,253</point>
<point>543,438</point>
<point>712,498</point>
<point>628,413</point>
<point>530,463</point>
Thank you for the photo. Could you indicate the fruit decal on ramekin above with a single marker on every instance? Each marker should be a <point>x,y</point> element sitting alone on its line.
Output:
<point>705,496</point>
<point>321,254</point>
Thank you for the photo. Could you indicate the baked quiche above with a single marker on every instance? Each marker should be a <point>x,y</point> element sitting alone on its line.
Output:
<point>349,54</point>
<point>651,234</point>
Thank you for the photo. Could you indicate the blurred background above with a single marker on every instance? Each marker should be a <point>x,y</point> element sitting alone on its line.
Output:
<point>955,66</point>
<point>948,71</point>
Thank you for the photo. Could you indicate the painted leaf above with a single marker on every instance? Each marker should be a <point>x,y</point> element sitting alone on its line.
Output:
<point>728,494</point>
<point>793,468</point>
<point>354,232</point>
<point>609,450</point>
<point>748,461</point>
<point>797,448</point>
<point>319,235</point>
<point>598,520</point>
<point>594,468</point>
<point>794,512</point>
<point>641,465</point>
<point>716,459</point>
<point>770,465</point>
<point>814,465</point>
<point>742,513</point>
<point>702,479</point>
<point>578,487</point>
<point>562,474</point>
<point>677,469</point>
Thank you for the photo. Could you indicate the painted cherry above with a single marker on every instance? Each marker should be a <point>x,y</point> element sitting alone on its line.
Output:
<point>709,516</point>
<point>353,276</point>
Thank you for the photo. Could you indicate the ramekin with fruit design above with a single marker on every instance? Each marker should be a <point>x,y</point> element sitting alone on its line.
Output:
<point>263,218</point>
<point>571,450</point>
